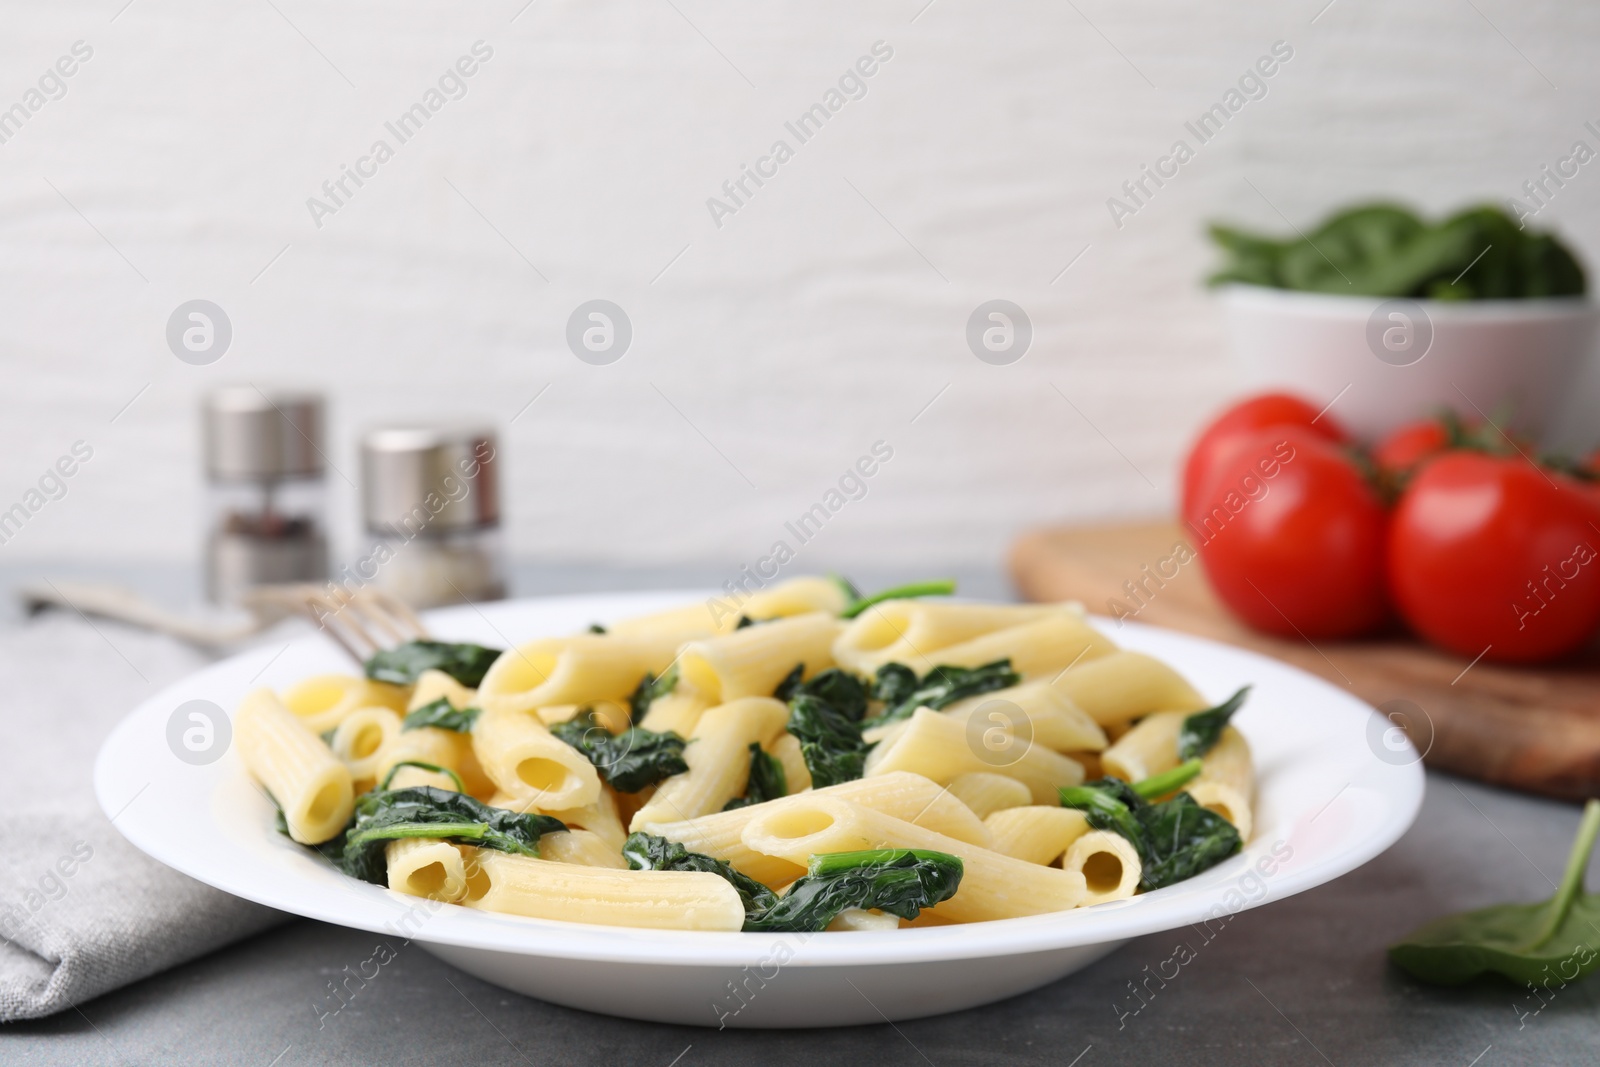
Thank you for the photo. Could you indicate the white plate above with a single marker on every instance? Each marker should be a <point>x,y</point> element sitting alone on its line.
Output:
<point>1336,789</point>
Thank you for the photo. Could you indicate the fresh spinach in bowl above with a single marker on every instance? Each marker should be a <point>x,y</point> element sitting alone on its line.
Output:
<point>1386,250</point>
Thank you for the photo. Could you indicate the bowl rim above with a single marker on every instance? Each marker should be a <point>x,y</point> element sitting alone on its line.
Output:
<point>1238,296</point>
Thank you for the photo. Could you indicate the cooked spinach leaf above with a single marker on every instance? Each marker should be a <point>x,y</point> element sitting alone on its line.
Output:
<point>465,662</point>
<point>851,593</point>
<point>423,811</point>
<point>767,780</point>
<point>628,761</point>
<point>936,587</point>
<point>1555,941</point>
<point>650,689</point>
<point>443,715</point>
<point>647,852</point>
<point>596,628</point>
<point>1201,730</point>
<point>894,683</point>
<point>900,881</point>
<point>830,741</point>
<point>842,690</point>
<point>1176,839</point>
<point>945,685</point>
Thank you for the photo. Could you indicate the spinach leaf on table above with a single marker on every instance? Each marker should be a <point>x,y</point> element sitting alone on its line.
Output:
<point>1201,731</point>
<point>465,662</point>
<point>629,761</point>
<point>767,780</point>
<point>1555,941</point>
<point>388,815</point>
<point>1175,839</point>
<point>442,715</point>
<point>941,687</point>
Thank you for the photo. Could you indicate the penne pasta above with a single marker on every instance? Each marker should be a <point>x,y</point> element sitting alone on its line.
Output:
<point>358,740</point>
<point>986,793</point>
<point>527,762</point>
<point>1227,782</point>
<point>600,818</point>
<point>613,715</point>
<point>583,848</point>
<point>1042,647</point>
<point>442,748</point>
<point>677,712</point>
<point>544,889</point>
<point>1108,865</point>
<point>909,797</point>
<point>785,748</point>
<point>1149,748</point>
<point>942,748</point>
<point>1052,720</point>
<point>301,774</point>
<point>431,685</point>
<point>321,702</point>
<point>426,867</point>
<point>912,631</point>
<point>751,662</point>
<point>1122,686</point>
<point>1036,833</point>
<point>859,920</point>
<point>571,670</point>
<point>993,886</point>
<point>719,760</point>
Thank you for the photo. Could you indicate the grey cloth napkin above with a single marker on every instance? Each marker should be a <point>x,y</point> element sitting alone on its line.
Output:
<point>81,910</point>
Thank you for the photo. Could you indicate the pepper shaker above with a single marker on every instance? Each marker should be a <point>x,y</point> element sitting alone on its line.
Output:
<point>430,497</point>
<point>265,494</point>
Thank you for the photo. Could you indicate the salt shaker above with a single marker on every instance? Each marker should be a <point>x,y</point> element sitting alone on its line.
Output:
<point>430,497</point>
<point>264,469</point>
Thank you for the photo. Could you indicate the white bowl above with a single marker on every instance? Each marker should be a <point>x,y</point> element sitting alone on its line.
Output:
<point>1337,787</point>
<point>1392,361</point>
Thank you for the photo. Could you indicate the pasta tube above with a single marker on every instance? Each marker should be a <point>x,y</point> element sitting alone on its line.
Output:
<point>1037,833</point>
<point>751,662</point>
<point>543,889</point>
<point>909,797</point>
<point>911,631</point>
<point>678,712</point>
<point>993,886</point>
<point>1149,748</point>
<point>571,670</point>
<point>583,848</point>
<point>1053,720</point>
<point>1227,782</point>
<point>311,786</point>
<point>433,684</point>
<point>785,748</point>
<point>1117,688</point>
<point>359,738</point>
<point>1108,864</point>
<point>321,702</point>
<point>1045,646</point>
<point>429,744</point>
<point>600,818</point>
<point>986,793</point>
<point>942,748</point>
<point>718,758</point>
<point>427,867</point>
<point>524,760</point>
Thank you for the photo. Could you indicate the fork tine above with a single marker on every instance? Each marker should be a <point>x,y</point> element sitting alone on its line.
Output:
<point>400,611</point>
<point>333,612</point>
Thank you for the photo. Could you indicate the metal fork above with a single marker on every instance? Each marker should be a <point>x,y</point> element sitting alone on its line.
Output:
<point>363,622</point>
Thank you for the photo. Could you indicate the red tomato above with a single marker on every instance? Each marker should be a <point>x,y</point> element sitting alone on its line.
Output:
<point>1220,437</point>
<point>1401,451</point>
<point>1293,539</point>
<point>1492,552</point>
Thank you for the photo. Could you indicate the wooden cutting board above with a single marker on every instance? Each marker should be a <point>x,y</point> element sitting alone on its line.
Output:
<point>1531,729</point>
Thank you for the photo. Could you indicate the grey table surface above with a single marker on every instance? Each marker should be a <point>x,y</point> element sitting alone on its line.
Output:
<point>1301,980</point>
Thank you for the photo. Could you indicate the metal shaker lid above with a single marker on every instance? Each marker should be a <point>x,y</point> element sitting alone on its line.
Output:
<point>429,479</point>
<point>254,435</point>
